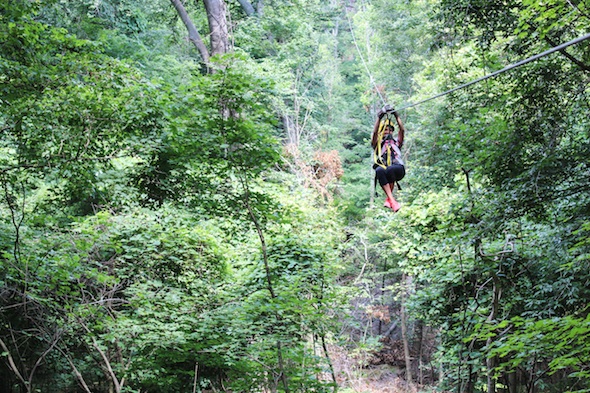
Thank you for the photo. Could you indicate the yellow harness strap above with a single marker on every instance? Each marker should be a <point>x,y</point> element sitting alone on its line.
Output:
<point>377,152</point>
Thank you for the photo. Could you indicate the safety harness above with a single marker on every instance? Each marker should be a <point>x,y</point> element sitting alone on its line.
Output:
<point>378,151</point>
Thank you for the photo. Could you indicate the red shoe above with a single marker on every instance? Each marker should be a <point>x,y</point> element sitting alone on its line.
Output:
<point>392,204</point>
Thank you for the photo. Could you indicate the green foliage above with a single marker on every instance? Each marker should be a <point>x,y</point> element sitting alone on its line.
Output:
<point>70,112</point>
<point>103,287</point>
<point>148,294</point>
<point>559,341</point>
<point>152,239</point>
<point>513,137</point>
<point>543,20</point>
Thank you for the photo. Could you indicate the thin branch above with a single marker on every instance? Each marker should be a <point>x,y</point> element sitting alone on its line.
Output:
<point>256,223</point>
<point>195,379</point>
<point>569,56</point>
<point>12,365</point>
<point>104,357</point>
<point>193,33</point>
<point>365,261</point>
<point>327,355</point>
<point>76,372</point>
<point>38,362</point>
<point>260,236</point>
<point>16,221</point>
<point>574,6</point>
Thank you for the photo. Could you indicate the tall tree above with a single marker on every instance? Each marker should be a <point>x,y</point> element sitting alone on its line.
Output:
<point>218,29</point>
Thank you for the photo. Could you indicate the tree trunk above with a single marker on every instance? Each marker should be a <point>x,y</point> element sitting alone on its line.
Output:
<point>193,34</point>
<point>247,7</point>
<point>217,17</point>
<point>405,288</point>
<point>420,333</point>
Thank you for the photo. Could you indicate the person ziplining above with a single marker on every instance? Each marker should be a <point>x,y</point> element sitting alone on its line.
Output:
<point>388,164</point>
<point>387,158</point>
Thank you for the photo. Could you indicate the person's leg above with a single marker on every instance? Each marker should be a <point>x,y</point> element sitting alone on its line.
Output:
<point>393,173</point>
<point>391,202</point>
<point>399,172</point>
<point>387,189</point>
<point>385,185</point>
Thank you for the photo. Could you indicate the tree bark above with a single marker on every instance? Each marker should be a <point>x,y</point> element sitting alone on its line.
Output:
<point>193,33</point>
<point>217,17</point>
<point>260,7</point>
<point>247,7</point>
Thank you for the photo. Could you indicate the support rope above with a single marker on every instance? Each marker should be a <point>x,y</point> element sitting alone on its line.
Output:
<point>362,58</point>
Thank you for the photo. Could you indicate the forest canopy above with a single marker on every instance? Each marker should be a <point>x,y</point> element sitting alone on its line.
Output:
<point>188,202</point>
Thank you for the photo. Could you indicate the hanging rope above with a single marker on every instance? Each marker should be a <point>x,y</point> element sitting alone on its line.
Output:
<point>362,58</point>
<point>507,68</point>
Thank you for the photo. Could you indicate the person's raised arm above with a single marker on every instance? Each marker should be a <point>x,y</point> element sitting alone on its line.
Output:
<point>375,137</point>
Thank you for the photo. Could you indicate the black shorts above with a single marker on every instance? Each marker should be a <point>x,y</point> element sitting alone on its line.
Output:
<point>393,173</point>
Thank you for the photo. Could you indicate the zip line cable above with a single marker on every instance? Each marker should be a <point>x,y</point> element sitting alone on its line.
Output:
<point>507,68</point>
<point>491,75</point>
<point>362,58</point>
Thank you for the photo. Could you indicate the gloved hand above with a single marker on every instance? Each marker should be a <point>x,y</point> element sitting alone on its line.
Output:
<point>386,109</point>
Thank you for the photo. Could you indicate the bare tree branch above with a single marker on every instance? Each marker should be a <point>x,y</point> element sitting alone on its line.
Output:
<point>193,33</point>
<point>105,359</point>
<point>55,340</point>
<point>76,372</point>
<point>571,58</point>
<point>12,365</point>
